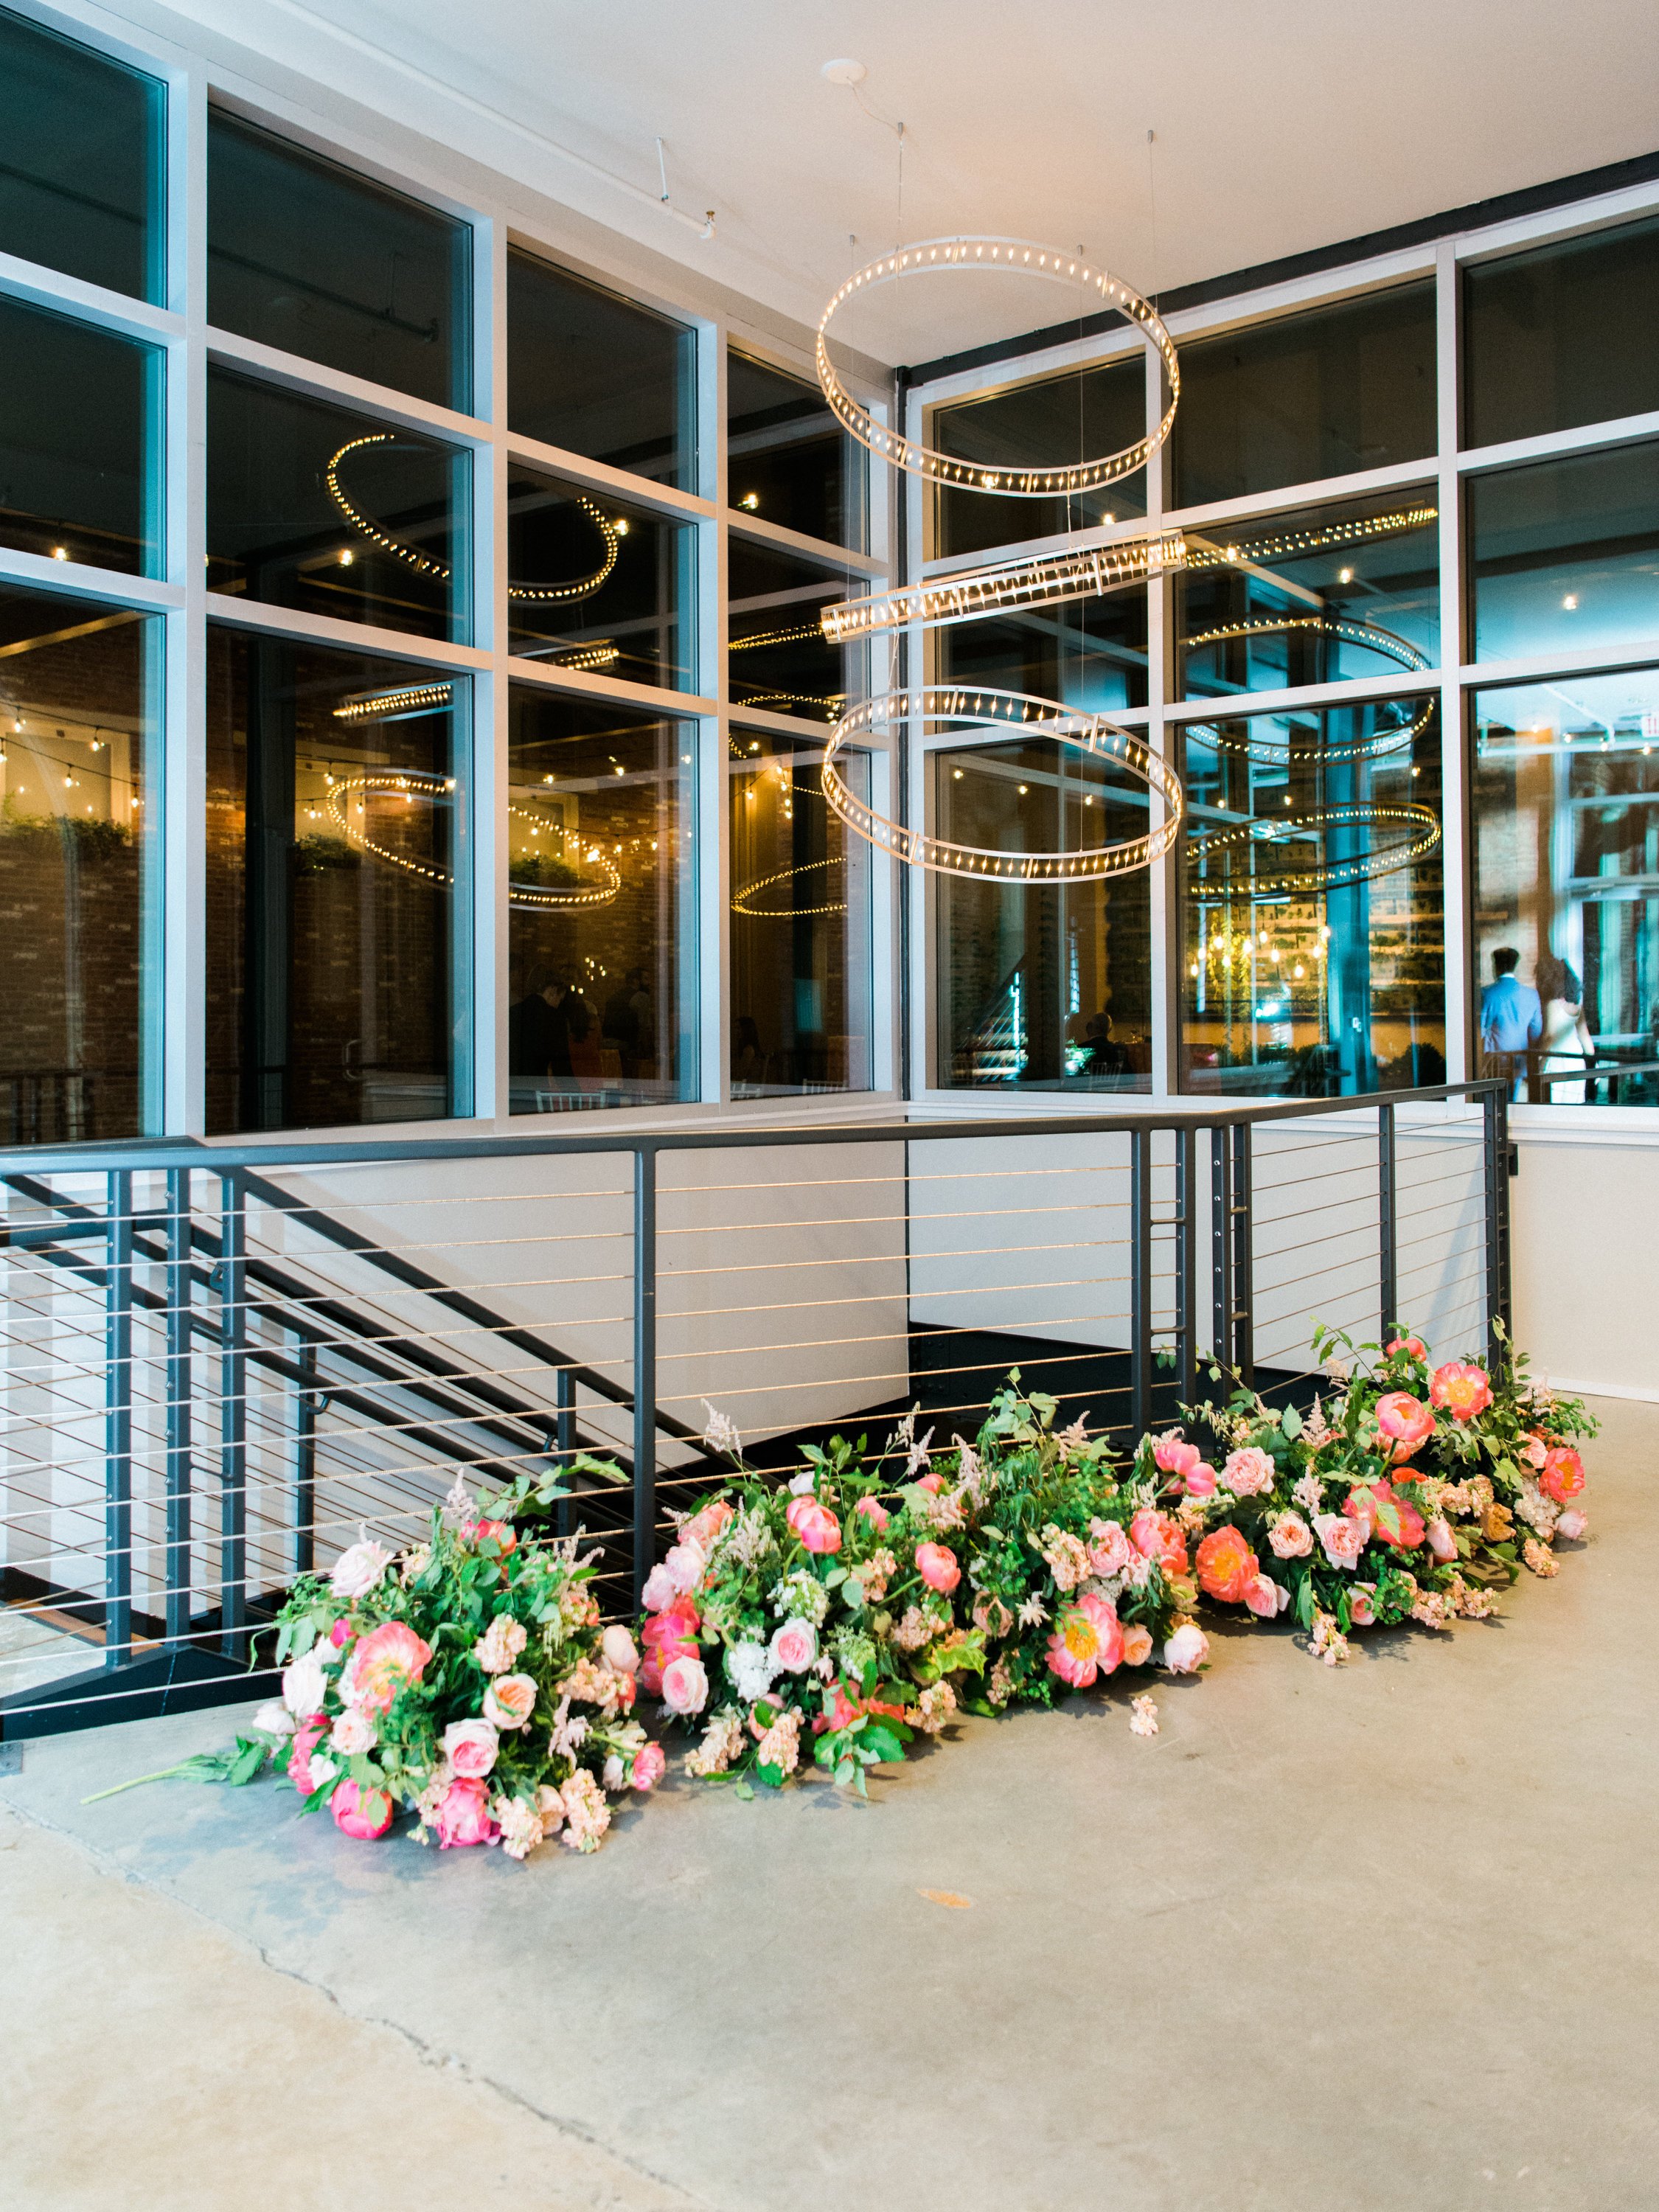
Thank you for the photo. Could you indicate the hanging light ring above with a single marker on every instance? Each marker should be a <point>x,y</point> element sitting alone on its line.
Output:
<point>1417,833</point>
<point>412,784</point>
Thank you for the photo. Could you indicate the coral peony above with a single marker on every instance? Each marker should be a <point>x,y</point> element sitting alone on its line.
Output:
<point>364,1813</point>
<point>1461,1388</point>
<point>1155,1536</point>
<point>1186,1649</point>
<point>1087,1642</point>
<point>1247,1472</point>
<point>1289,1536</point>
<point>703,1527</point>
<point>501,1534</point>
<point>648,1767</point>
<point>937,1566</point>
<point>1414,1346</point>
<point>1342,1536</point>
<point>461,1815</point>
<point>1563,1477</point>
<point>1174,1455</point>
<point>1225,1565</point>
<point>1404,1420</point>
<point>385,1663</point>
<point>1262,1594</point>
<point>510,1700</point>
<point>619,1649</point>
<point>874,1512</point>
<point>1381,1512</point>
<point>815,1525</point>
<point>685,1685</point>
<point>470,1747</point>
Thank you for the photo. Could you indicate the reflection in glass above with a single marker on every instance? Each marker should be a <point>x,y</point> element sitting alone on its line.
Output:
<point>1045,989</point>
<point>602,1008</point>
<point>330,857</point>
<point>1561,336</point>
<point>309,257</point>
<point>599,376</point>
<point>311,506</point>
<point>80,413</point>
<point>81,180</point>
<point>595,583</point>
<point>801,923</point>
<point>1566,887</point>
<point>787,458</point>
<point>1078,416</point>
<point>1091,654</point>
<point>1312,933</point>
<point>1313,597</point>
<point>1324,393</point>
<point>778,656</point>
<point>80,878</point>
<point>1565,553</point>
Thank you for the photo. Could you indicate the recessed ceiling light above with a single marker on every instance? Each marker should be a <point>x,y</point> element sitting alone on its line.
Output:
<point>843,72</point>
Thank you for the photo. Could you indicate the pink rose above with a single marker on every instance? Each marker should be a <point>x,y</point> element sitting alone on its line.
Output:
<point>470,1747</point>
<point>795,1646</point>
<point>462,1816</point>
<point>366,1813</point>
<point>619,1650</point>
<point>306,1737</point>
<point>508,1703</point>
<point>1087,1642</point>
<point>1262,1595</point>
<point>385,1663</point>
<point>815,1525</point>
<point>354,1732</point>
<point>1155,1536</point>
<point>1362,1604</point>
<point>1174,1455</point>
<point>1200,1480</point>
<point>1404,1420</point>
<point>1289,1536</point>
<point>685,1685</point>
<point>1442,1542</point>
<point>660,1589</point>
<point>1247,1472</point>
<point>1137,1645</point>
<point>648,1767</point>
<point>1109,1549</point>
<point>703,1527</point>
<point>1572,1524</point>
<point>1186,1649</point>
<point>875,1513</point>
<point>937,1566</point>
<point>1343,1537</point>
<point>684,1567</point>
<point>1413,1345</point>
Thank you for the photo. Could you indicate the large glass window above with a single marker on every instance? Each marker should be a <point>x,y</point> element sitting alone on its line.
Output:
<point>311,506</point>
<point>1311,927</point>
<point>332,993</point>
<point>1081,416</point>
<point>319,261</point>
<point>80,175</point>
<point>1314,596</point>
<point>787,458</point>
<point>1561,336</point>
<point>800,922</point>
<point>1564,554</point>
<point>778,657</point>
<point>1091,654</point>
<point>80,882</point>
<point>80,416</point>
<point>1565,939</point>
<point>1325,393</point>
<point>1043,989</point>
<point>599,376</point>
<point>595,583</point>
<point>603,1006</point>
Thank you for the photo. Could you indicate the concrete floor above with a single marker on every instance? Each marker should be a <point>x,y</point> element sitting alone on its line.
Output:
<point>1374,1939</point>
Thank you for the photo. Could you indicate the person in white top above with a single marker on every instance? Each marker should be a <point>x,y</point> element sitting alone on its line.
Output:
<point>1566,1042</point>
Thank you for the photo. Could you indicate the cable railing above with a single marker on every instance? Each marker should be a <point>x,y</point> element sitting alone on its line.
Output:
<point>219,1361</point>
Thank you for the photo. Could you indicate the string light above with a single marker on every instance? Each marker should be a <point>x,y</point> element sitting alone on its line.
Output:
<point>1038,581</point>
<point>741,899</point>
<point>410,784</point>
<point>1423,835</point>
<point>406,700</point>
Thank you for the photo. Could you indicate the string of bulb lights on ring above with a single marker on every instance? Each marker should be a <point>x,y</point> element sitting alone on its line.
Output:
<point>1417,833</point>
<point>409,784</point>
<point>1394,738</point>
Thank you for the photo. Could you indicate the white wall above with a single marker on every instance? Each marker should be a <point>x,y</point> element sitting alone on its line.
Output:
<point>1585,1258</point>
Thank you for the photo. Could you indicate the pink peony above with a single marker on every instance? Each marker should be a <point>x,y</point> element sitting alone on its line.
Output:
<point>619,1650</point>
<point>1461,1388</point>
<point>1441,1540</point>
<point>1362,1604</point>
<point>703,1527</point>
<point>1563,1477</point>
<point>875,1513</point>
<point>1155,1536</point>
<point>364,1813</point>
<point>510,1700</point>
<point>1186,1649</point>
<point>462,1815</point>
<point>1137,1645</point>
<point>1227,1564</point>
<point>1200,1480</point>
<point>815,1525</point>
<point>666,1634</point>
<point>1262,1595</point>
<point>660,1589</point>
<point>306,1737</point>
<point>1404,1420</point>
<point>795,1646</point>
<point>1534,1451</point>
<point>1572,1525</point>
<point>685,1685</point>
<point>386,1661</point>
<point>648,1767</point>
<point>1381,1512</point>
<point>1343,1537</point>
<point>1289,1536</point>
<point>470,1747</point>
<point>1087,1642</point>
<point>502,1533</point>
<point>933,1484</point>
<point>1412,1345</point>
<point>937,1566</point>
<point>1174,1455</point>
<point>1247,1472</point>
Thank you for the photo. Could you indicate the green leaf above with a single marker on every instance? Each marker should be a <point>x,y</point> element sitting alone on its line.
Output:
<point>1290,1421</point>
<point>249,1760</point>
<point>882,1742</point>
<point>742,1790</point>
<point>852,1594</point>
<point>771,1775</point>
<point>846,1771</point>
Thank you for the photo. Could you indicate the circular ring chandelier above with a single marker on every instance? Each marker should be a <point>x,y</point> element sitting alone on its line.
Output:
<point>1041,580</point>
<point>423,564</point>
<point>1418,834</point>
<point>411,784</point>
<point>741,900</point>
<point>1010,256</point>
<point>1040,717</point>
<point>1277,752</point>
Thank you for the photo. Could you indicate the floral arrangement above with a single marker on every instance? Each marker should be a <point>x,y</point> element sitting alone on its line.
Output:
<point>1410,1493</point>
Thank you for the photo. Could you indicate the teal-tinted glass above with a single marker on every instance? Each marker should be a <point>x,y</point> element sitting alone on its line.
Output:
<point>311,257</point>
<point>82,165</point>
<point>1081,416</point>
<point>1565,553</point>
<point>1091,654</point>
<point>600,375</point>
<point>778,657</point>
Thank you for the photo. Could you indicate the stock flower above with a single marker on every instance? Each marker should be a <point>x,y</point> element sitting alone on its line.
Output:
<point>874,1512</point>
<point>1247,1472</point>
<point>934,1708</point>
<point>1289,1536</point>
<point>1343,1538</point>
<point>1461,1388</point>
<point>1328,1643</point>
<point>363,1814</point>
<point>586,1815</point>
<point>461,1815</point>
<point>501,1643</point>
<point>510,1700</point>
<point>779,1745</point>
<point>1225,1565</point>
<point>815,1525</point>
<point>1405,1421</point>
<point>648,1767</point>
<point>352,1732</point>
<point>360,1567</point>
<point>1087,1642</point>
<point>305,1687</point>
<point>1539,1558</point>
<point>1188,1648</point>
<point>794,1647</point>
<point>1137,1645</point>
<point>619,1649</point>
<point>1065,1556</point>
<point>1155,1536</point>
<point>385,1663</point>
<point>685,1685</point>
<point>1572,1524</point>
<point>722,1740</point>
<point>1262,1594</point>
<point>1143,1716</point>
<point>521,1826</point>
<point>875,1574</point>
<point>1563,1477</point>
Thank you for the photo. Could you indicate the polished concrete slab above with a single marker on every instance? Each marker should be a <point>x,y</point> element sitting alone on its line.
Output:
<point>1381,1937</point>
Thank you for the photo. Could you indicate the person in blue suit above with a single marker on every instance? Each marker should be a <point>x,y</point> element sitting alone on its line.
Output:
<point>1511,1017</point>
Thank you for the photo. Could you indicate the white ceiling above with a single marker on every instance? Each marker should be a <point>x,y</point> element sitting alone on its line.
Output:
<point>1280,124</point>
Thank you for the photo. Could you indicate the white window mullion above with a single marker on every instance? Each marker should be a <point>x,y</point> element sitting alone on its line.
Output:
<point>485,1021</point>
<point>1453,760</point>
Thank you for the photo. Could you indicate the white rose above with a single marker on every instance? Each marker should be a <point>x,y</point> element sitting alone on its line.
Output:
<point>620,1650</point>
<point>274,1718</point>
<point>305,1685</point>
<point>685,1566</point>
<point>1186,1649</point>
<point>354,1732</point>
<point>359,1568</point>
<point>613,1772</point>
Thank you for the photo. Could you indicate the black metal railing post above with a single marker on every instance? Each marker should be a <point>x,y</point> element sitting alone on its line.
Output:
<point>179,1386</point>
<point>564,1400</point>
<point>1186,1261</point>
<point>1140,1282</point>
<point>1388,1229</point>
<point>1496,1147</point>
<point>233,1417</point>
<point>306,1410</point>
<point>1221,1248</point>
<point>645,1366</point>
<point>1243,1257</point>
<point>117,1420</point>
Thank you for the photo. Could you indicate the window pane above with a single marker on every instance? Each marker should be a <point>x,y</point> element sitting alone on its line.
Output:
<point>595,583</point>
<point>1312,937</point>
<point>330,853</point>
<point>778,655</point>
<point>81,180</point>
<point>1321,394</point>
<point>1078,416</point>
<point>311,507</point>
<point>800,922</point>
<point>79,415</point>
<point>1561,336</point>
<point>1566,887</point>
<point>1091,654</point>
<point>599,376</point>
<point>1049,989</point>
<point>1565,553</point>
<point>307,255</point>
<point>1329,593</point>
<point>603,1011</point>
<point>80,879</point>
<point>787,459</point>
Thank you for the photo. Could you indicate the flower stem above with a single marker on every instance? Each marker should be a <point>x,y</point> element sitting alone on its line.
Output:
<point>136,1782</point>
